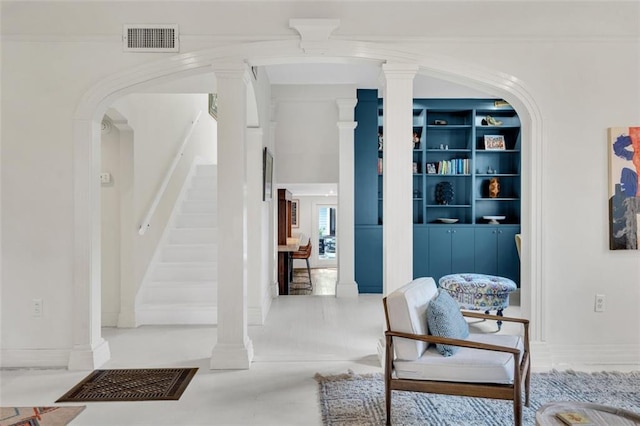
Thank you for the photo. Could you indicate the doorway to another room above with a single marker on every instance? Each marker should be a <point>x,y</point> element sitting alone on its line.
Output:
<point>327,249</point>
<point>324,272</point>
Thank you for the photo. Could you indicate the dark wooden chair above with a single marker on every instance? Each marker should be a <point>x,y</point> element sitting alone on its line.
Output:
<point>413,364</point>
<point>303,253</point>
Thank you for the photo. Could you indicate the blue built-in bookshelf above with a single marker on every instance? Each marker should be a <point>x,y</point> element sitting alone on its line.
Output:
<point>465,142</point>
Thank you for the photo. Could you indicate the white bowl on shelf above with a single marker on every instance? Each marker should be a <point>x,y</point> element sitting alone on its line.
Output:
<point>493,220</point>
<point>446,220</point>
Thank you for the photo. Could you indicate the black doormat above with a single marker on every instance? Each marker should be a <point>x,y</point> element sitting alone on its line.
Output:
<point>131,385</point>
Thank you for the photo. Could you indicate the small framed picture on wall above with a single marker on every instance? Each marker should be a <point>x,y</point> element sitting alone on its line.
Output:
<point>295,212</point>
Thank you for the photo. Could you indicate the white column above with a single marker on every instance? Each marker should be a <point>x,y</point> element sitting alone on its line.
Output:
<point>257,231</point>
<point>89,350</point>
<point>233,349</point>
<point>346,285</point>
<point>397,210</point>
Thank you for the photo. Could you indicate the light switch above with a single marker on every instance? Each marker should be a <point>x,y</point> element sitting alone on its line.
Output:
<point>105,177</point>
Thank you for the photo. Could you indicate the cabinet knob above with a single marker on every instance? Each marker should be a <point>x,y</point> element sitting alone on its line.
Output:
<point>448,231</point>
<point>499,232</point>
<point>454,232</point>
<point>493,232</point>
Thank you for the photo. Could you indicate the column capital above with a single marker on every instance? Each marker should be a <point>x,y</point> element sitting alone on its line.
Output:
<point>232,69</point>
<point>399,70</point>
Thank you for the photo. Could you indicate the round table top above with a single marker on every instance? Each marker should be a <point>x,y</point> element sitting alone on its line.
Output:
<point>596,414</point>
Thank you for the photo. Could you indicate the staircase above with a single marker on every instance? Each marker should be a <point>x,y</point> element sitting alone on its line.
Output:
<point>181,284</point>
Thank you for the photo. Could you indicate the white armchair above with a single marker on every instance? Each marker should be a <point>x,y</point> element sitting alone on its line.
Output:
<point>419,330</point>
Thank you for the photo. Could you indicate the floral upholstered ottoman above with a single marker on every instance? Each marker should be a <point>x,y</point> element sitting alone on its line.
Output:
<point>479,292</point>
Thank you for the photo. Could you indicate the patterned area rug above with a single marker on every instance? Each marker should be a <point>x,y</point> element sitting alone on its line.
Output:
<point>38,416</point>
<point>131,385</point>
<point>354,399</point>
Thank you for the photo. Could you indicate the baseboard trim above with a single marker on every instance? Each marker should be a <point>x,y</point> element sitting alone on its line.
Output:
<point>89,358</point>
<point>34,358</point>
<point>596,357</point>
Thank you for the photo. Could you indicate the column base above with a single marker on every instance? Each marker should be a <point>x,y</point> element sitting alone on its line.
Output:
<point>347,289</point>
<point>232,357</point>
<point>84,357</point>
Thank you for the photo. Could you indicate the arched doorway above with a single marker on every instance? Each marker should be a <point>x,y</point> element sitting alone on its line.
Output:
<point>90,350</point>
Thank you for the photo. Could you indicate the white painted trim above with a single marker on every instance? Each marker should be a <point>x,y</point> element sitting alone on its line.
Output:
<point>94,102</point>
<point>89,358</point>
<point>596,357</point>
<point>34,358</point>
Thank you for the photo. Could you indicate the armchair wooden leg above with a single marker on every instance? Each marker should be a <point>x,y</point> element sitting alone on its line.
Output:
<point>517,407</point>
<point>387,400</point>
<point>527,382</point>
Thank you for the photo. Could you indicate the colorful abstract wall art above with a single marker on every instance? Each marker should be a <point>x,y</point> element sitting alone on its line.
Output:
<point>624,188</point>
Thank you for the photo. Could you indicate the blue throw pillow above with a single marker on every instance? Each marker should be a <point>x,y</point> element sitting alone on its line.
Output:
<point>445,320</point>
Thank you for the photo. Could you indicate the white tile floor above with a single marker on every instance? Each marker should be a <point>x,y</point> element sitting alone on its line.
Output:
<point>303,335</point>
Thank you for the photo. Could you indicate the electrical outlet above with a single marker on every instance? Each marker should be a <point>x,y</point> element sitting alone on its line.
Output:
<point>599,307</point>
<point>36,308</point>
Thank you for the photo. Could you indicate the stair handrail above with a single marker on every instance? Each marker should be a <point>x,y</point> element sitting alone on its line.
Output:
<point>146,223</point>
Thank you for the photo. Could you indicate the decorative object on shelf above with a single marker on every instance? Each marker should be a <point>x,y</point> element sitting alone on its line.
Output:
<point>444,193</point>
<point>446,220</point>
<point>490,171</point>
<point>490,121</point>
<point>380,141</point>
<point>494,188</point>
<point>379,166</point>
<point>416,140</point>
<point>415,168</point>
<point>431,168</point>
<point>494,143</point>
<point>624,188</point>
<point>440,122</point>
<point>493,220</point>
<point>501,103</point>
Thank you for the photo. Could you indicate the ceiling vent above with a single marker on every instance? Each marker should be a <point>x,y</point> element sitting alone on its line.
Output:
<point>150,38</point>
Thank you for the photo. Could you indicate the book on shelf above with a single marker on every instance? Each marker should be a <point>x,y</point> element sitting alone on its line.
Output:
<point>379,166</point>
<point>573,418</point>
<point>457,166</point>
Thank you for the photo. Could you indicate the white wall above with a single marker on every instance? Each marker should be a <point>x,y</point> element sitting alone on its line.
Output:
<point>578,61</point>
<point>110,217</point>
<point>307,132</point>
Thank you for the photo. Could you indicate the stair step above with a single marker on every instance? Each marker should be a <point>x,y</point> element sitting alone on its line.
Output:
<point>193,236</point>
<point>190,253</point>
<point>201,194</point>
<point>199,206</point>
<point>182,288</point>
<point>204,182</point>
<point>183,271</point>
<point>187,293</point>
<point>196,220</point>
<point>175,313</point>
<point>206,170</point>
